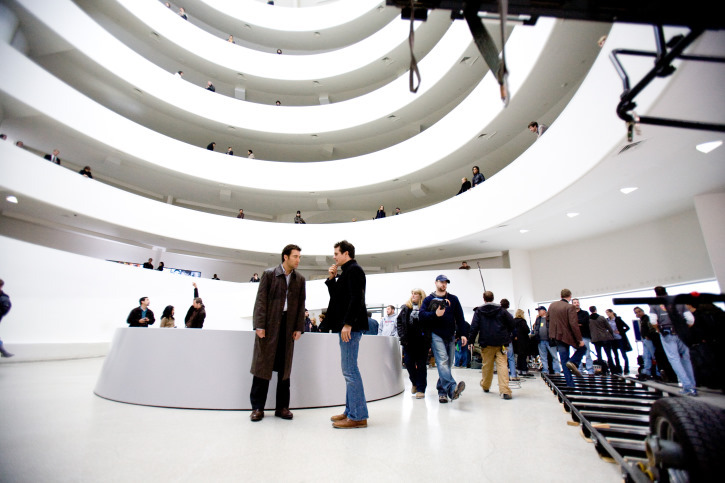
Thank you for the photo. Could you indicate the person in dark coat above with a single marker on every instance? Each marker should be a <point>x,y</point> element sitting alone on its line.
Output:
<point>602,336</point>
<point>5,306</point>
<point>347,315</point>
<point>564,329</point>
<point>583,317</point>
<point>415,339</point>
<point>197,312</point>
<point>521,342</point>
<point>141,316</point>
<point>279,320</point>
<point>465,186</point>
<point>620,345</point>
<point>494,324</point>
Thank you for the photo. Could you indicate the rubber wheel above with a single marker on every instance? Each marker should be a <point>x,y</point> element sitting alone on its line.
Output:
<point>698,427</point>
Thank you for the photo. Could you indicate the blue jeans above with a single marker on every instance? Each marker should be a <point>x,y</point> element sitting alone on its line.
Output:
<point>356,407</point>
<point>588,354</point>
<point>679,356</point>
<point>648,353</point>
<point>563,350</point>
<point>444,352</point>
<point>463,356</point>
<point>544,347</point>
<point>511,359</point>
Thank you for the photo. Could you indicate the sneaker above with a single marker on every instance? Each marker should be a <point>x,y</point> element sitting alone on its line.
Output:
<point>689,392</point>
<point>574,369</point>
<point>514,379</point>
<point>506,396</point>
<point>442,399</point>
<point>419,395</point>
<point>459,389</point>
<point>413,390</point>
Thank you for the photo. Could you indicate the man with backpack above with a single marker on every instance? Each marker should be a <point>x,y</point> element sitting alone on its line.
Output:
<point>493,324</point>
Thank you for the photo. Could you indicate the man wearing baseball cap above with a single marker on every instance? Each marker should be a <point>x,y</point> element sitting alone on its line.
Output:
<point>442,312</point>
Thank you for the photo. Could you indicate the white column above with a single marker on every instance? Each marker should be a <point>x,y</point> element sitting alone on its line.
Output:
<point>522,281</point>
<point>710,209</point>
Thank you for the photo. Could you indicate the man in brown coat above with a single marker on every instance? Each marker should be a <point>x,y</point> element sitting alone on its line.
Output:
<point>279,318</point>
<point>564,328</point>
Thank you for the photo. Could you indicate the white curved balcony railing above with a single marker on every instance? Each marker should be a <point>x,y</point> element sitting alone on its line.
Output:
<point>569,150</point>
<point>268,64</point>
<point>326,30</point>
<point>76,28</point>
<point>462,125</point>
<point>310,19</point>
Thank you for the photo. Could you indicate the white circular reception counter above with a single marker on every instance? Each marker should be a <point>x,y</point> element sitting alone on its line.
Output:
<point>209,369</point>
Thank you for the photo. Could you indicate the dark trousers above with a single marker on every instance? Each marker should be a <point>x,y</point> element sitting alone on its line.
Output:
<point>618,348</point>
<point>607,346</point>
<point>416,356</point>
<point>260,387</point>
<point>521,364</point>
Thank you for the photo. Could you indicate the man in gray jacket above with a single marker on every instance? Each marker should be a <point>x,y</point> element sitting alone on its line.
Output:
<point>541,334</point>
<point>602,335</point>
<point>279,320</point>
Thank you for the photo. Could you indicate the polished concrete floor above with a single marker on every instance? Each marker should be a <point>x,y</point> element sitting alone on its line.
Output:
<point>54,429</point>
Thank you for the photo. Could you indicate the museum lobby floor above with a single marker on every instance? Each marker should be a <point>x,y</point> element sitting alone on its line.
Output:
<point>55,429</point>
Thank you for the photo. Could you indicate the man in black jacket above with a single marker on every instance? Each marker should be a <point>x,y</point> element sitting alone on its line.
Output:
<point>141,316</point>
<point>494,324</point>
<point>347,315</point>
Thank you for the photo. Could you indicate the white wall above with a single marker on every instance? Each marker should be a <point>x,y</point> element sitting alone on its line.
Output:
<point>662,252</point>
<point>710,208</point>
<point>124,250</point>
<point>65,298</point>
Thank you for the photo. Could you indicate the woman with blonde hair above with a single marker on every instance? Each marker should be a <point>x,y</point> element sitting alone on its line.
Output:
<point>415,339</point>
<point>521,342</point>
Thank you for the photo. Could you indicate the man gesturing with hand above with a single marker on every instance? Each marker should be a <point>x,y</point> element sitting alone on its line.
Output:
<point>347,314</point>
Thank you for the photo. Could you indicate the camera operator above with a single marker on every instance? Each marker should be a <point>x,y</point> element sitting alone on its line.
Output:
<point>442,312</point>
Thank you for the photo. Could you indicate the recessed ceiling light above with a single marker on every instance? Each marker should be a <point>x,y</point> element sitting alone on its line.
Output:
<point>627,191</point>
<point>11,199</point>
<point>707,147</point>
<point>523,231</point>
<point>572,214</point>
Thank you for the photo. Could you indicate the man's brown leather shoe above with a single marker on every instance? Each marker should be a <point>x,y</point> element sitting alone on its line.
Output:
<point>256,415</point>
<point>338,417</point>
<point>283,413</point>
<point>350,424</point>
